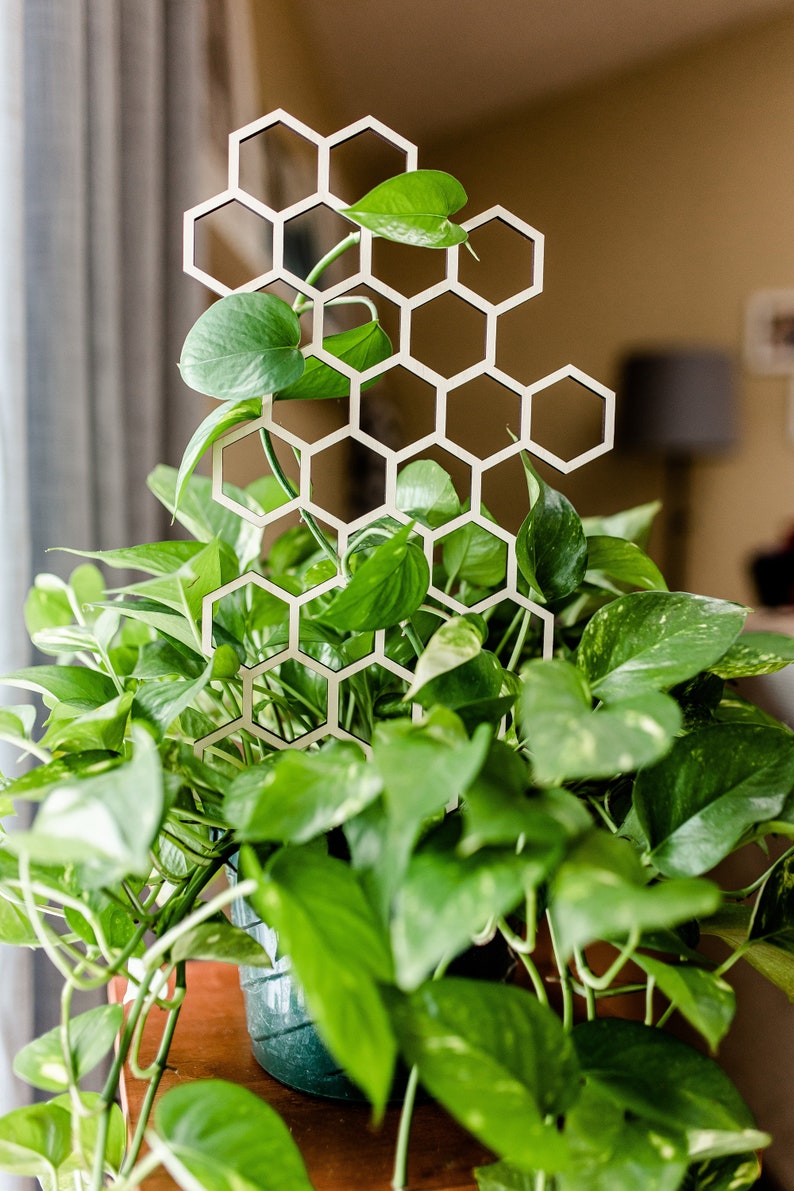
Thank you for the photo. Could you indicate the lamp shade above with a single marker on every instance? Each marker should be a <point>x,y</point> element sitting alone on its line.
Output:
<point>677,401</point>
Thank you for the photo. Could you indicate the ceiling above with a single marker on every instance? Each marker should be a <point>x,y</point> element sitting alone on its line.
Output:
<point>430,67</point>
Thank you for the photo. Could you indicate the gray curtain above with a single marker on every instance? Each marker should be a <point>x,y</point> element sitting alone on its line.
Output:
<point>101,116</point>
<point>15,974</point>
<point>113,114</point>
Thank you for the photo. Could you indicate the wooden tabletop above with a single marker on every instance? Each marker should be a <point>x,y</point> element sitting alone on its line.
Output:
<point>339,1145</point>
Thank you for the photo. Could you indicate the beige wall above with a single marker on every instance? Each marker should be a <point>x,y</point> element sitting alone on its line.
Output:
<point>667,198</point>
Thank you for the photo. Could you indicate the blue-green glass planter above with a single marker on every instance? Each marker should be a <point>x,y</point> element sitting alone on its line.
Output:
<point>284,1039</point>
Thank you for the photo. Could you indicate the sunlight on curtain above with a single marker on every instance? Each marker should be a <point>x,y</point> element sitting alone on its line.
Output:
<point>102,112</point>
<point>15,993</point>
<point>104,139</point>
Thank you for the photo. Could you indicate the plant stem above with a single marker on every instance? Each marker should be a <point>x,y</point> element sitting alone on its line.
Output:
<point>738,954</point>
<point>338,250</point>
<point>739,895</point>
<point>157,1069</point>
<point>100,1146</point>
<point>353,300</point>
<point>565,979</point>
<point>289,490</point>
<point>520,640</point>
<point>599,983</point>
<point>399,1177</point>
<point>589,995</point>
<point>135,1178</point>
<point>523,949</point>
<point>413,637</point>
<point>202,912</point>
<point>400,1173</point>
<point>507,634</point>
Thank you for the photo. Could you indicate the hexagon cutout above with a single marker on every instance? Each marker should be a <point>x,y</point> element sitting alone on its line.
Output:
<point>230,742</point>
<point>318,641</point>
<point>472,558</point>
<point>508,267</point>
<point>292,557</point>
<point>348,480</point>
<point>448,337</point>
<point>398,410</point>
<point>292,701</point>
<point>406,271</point>
<point>234,245</point>
<point>484,418</point>
<point>251,615</point>
<point>309,421</point>
<point>367,150</point>
<point>356,307</point>
<point>433,487</point>
<point>571,419</point>
<point>385,683</point>
<point>275,160</point>
<point>239,459</point>
<point>504,491</point>
<point>230,244</point>
<point>308,237</point>
<point>516,628</point>
<point>362,162</point>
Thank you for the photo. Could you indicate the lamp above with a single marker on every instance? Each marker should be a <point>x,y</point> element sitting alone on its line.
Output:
<point>678,403</point>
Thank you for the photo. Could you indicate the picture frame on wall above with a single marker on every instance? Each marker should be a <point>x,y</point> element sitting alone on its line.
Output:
<point>769,332</point>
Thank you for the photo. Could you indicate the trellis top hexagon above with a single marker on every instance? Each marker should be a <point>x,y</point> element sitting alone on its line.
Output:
<point>502,215</point>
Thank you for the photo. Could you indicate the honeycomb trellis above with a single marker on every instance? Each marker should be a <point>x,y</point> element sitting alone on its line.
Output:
<point>332,677</point>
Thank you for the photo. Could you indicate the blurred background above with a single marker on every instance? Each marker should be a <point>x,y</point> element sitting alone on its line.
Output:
<point>652,145</point>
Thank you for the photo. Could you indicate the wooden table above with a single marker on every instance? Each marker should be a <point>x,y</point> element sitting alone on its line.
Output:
<point>341,1149</point>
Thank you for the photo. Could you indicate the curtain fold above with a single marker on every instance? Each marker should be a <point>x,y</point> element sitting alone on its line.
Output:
<point>102,113</point>
<point>114,112</point>
<point>15,973</point>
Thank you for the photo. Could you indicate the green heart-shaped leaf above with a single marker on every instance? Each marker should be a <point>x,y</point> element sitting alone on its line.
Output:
<point>469,1035</point>
<point>707,1001</point>
<point>242,347</point>
<point>445,899</point>
<point>230,414</point>
<point>600,892</point>
<point>426,493</point>
<point>105,822</point>
<point>715,783</point>
<point>336,947</point>
<point>217,1135</point>
<point>300,795</point>
<point>413,208</point>
<point>550,547</point>
<point>614,562</point>
<point>91,1036</point>
<point>651,640</point>
<point>360,348</point>
<point>35,1140</point>
<point>220,941</point>
<point>387,588</point>
<point>567,739</point>
<point>455,642</point>
<point>756,653</point>
<point>667,1083</point>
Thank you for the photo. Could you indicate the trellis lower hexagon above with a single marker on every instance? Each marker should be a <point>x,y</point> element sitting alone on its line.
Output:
<point>569,372</point>
<point>441,436</point>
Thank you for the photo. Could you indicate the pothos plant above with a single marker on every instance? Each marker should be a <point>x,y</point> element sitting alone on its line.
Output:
<point>575,798</point>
